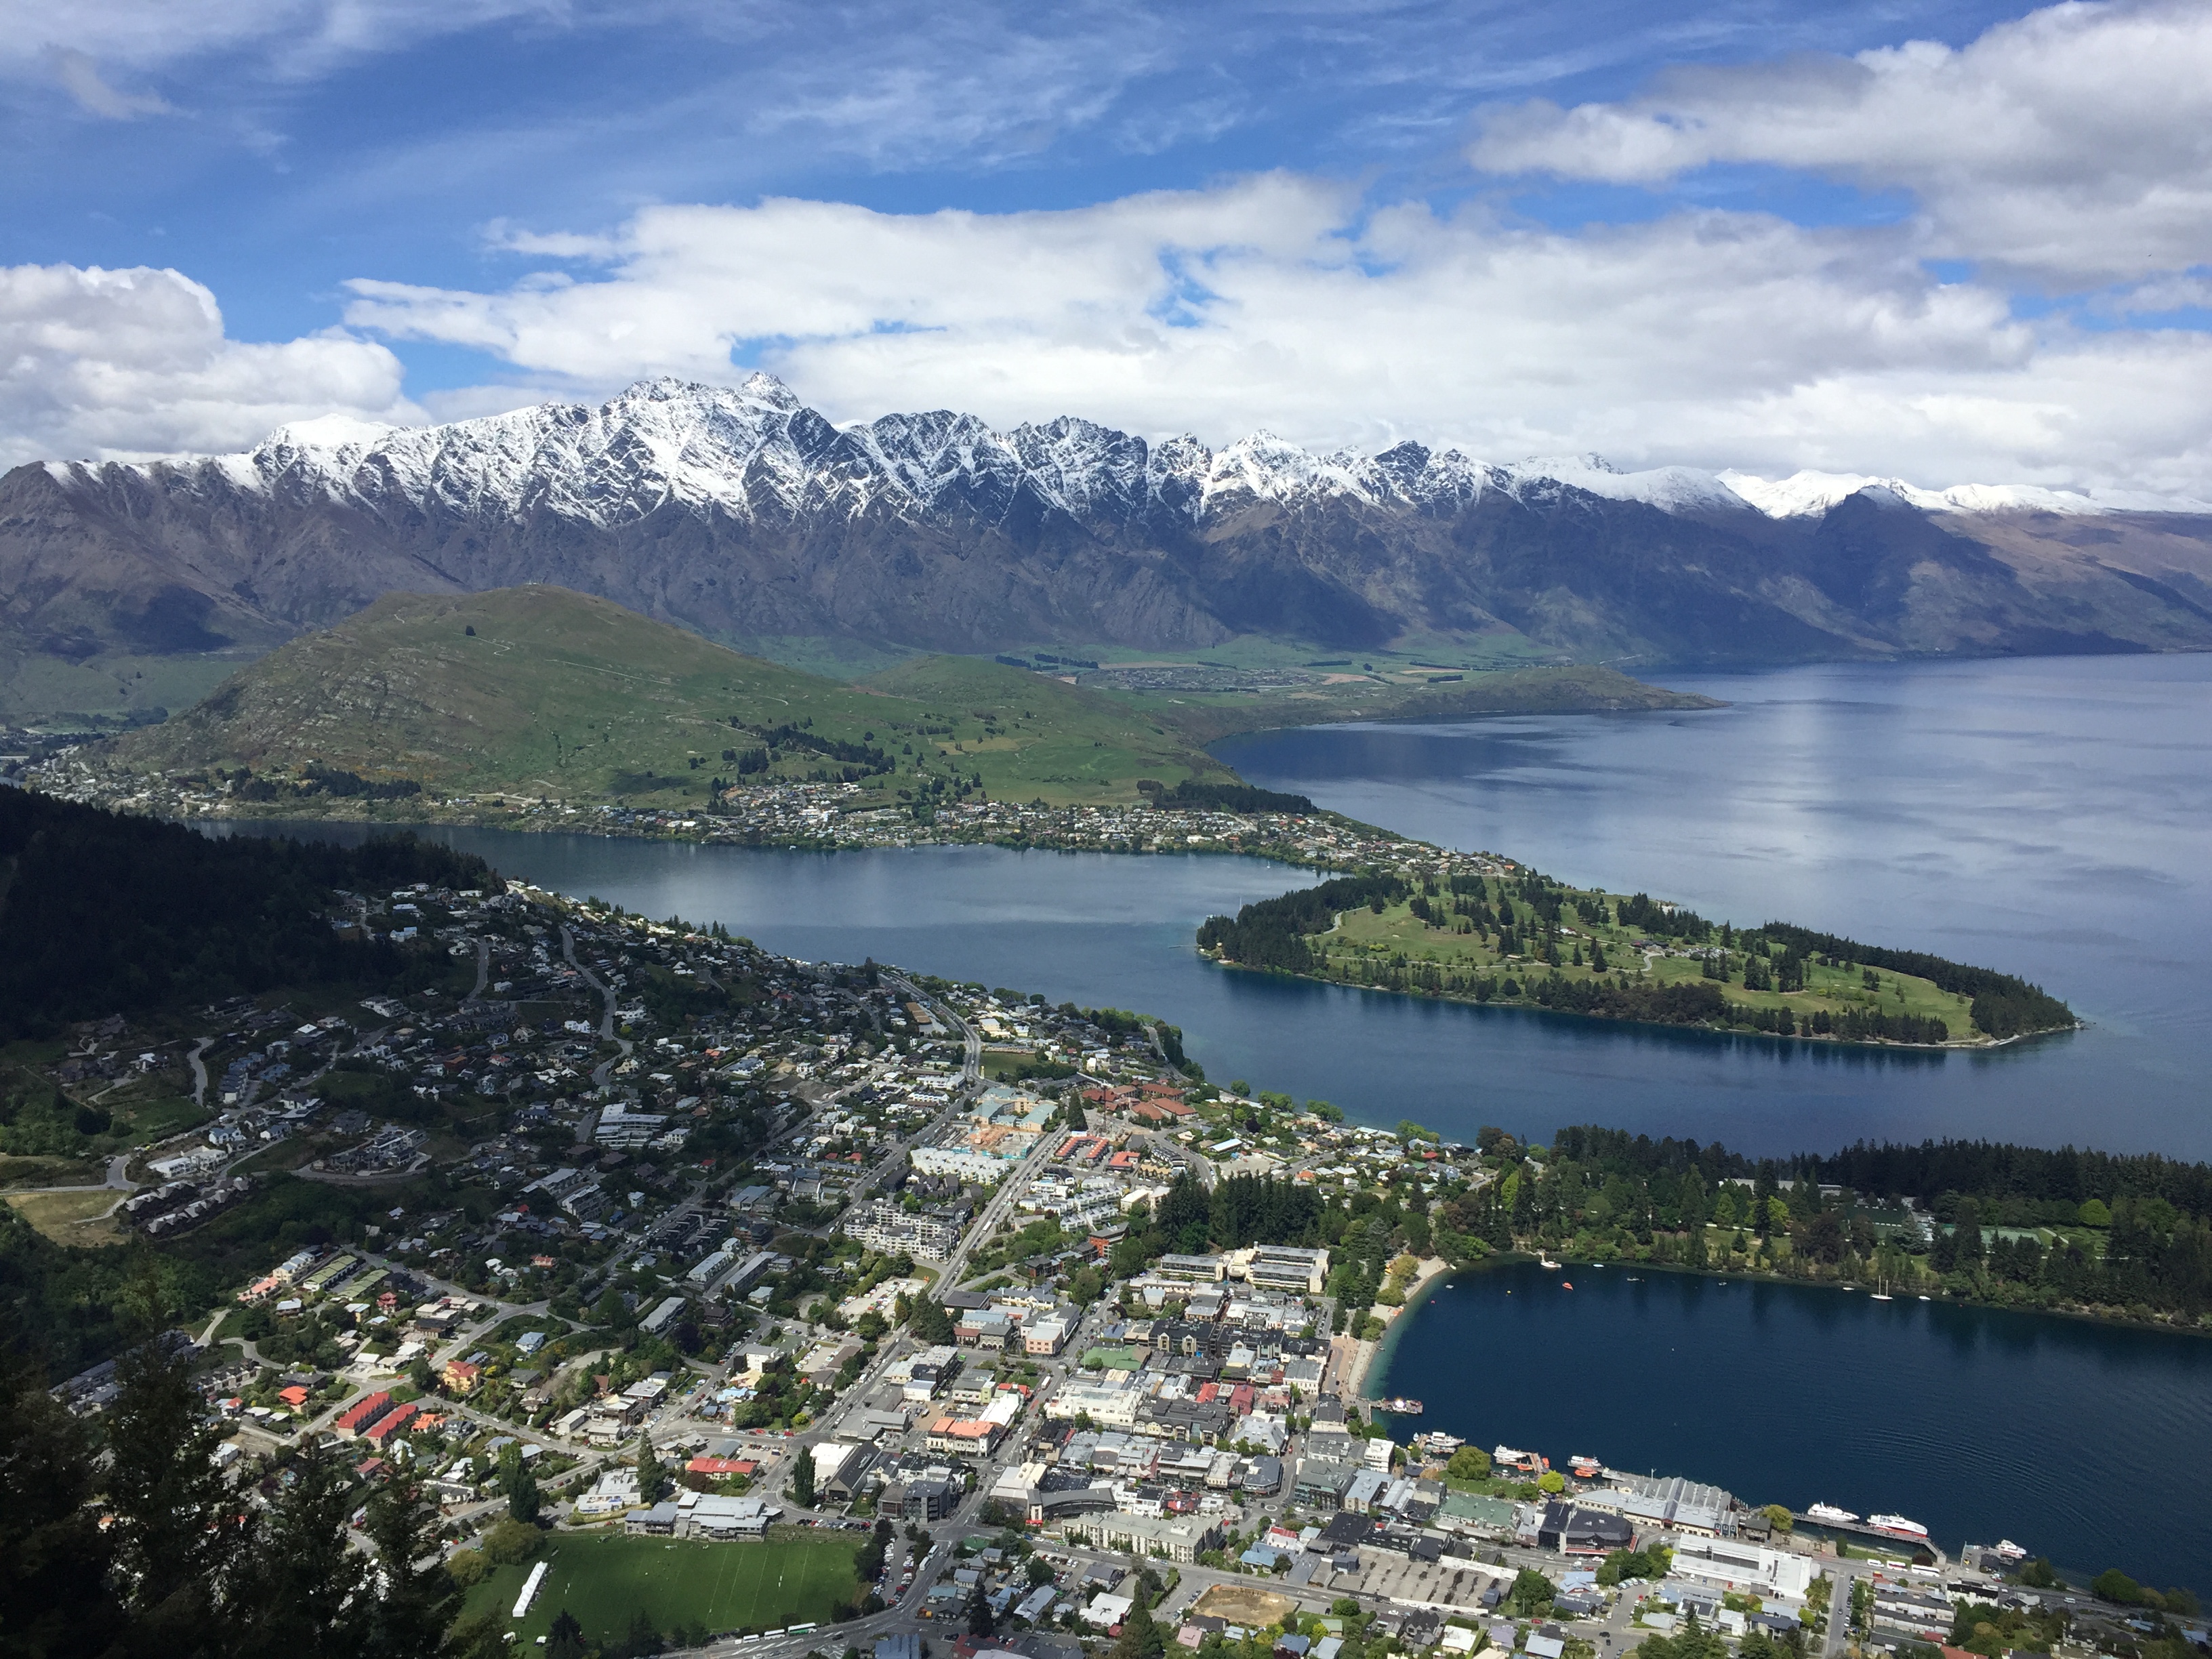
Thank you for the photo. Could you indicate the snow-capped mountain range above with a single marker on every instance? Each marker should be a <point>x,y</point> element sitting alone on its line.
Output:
<point>757,449</point>
<point>751,518</point>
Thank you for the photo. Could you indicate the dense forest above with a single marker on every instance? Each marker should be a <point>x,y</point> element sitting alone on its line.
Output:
<point>1225,798</point>
<point>1990,1222</point>
<point>102,912</point>
<point>1530,915</point>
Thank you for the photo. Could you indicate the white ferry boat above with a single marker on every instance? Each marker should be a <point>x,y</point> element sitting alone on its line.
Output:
<point>1830,1513</point>
<point>1897,1527</point>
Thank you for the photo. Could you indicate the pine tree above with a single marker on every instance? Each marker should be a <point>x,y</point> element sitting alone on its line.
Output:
<point>565,1638</point>
<point>419,1599</point>
<point>652,1481</point>
<point>523,1500</point>
<point>802,1478</point>
<point>174,1522</point>
<point>53,1554</point>
<point>299,1586</point>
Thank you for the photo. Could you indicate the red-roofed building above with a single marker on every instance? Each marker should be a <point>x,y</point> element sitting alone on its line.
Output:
<point>296,1396</point>
<point>388,1424</point>
<point>461,1376</point>
<point>722,1466</point>
<point>363,1412</point>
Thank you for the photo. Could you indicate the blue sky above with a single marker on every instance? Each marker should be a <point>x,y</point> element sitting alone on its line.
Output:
<point>1712,233</point>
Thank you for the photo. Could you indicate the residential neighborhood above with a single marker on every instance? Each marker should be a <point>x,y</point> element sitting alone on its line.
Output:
<point>649,1234</point>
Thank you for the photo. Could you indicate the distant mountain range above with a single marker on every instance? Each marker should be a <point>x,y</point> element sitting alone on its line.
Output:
<point>752,520</point>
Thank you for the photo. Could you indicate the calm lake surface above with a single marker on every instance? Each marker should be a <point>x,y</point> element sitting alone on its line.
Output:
<point>2081,1442</point>
<point>2048,817</point>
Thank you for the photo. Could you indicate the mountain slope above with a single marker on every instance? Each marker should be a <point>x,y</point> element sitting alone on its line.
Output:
<point>537,691</point>
<point>750,519</point>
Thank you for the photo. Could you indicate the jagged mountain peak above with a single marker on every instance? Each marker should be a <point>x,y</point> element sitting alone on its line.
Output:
<point>669,444</point>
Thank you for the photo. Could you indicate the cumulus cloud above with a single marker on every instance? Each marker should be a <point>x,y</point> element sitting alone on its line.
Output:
<point>2073,145</point>
<point>103,364</point>
<point>1706,339</point>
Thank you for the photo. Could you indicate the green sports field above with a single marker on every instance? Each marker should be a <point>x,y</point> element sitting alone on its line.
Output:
<point>795,1578</point>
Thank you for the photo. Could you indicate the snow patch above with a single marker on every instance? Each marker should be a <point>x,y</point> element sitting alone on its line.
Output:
<point>1808,494</point>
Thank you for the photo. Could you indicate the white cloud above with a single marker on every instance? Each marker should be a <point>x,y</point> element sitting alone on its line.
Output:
<point>107,363</point>
<point>1707,339</point>
<point>2073,144</point>
<point>80,77</point>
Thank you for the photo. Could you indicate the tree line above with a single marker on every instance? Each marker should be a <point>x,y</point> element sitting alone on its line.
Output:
<point>129,1541</point>
<point>1224,797</point>
<point>102,912</point>
<point>1525,917</point>
<point>2131,1233</point>
<point>2004,1005</point>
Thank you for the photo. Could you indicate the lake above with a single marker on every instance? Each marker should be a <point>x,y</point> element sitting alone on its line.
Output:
<point>2044,817</point>
<point>2084,1443</point>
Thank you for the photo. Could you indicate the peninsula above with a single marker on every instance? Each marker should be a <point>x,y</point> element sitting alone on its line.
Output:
<point>1476,927</point>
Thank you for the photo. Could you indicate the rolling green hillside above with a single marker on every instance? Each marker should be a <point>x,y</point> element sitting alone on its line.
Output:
<point>541,692</point>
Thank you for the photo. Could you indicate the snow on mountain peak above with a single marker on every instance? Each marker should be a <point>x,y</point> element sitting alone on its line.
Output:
<point>1804,494</point>
<point>756,449</point>
<point>1671,489</point>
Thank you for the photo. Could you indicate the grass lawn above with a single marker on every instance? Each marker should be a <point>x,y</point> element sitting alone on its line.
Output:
<point>1365,937</point>
<point>797,1577</point>
<point>73,1219</point>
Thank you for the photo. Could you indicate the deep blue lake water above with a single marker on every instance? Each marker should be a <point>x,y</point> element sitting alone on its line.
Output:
<point>2048,817</point>
<point>2081,1442</point>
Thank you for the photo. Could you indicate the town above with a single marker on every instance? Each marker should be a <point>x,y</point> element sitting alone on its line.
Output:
<point>991,1322</point>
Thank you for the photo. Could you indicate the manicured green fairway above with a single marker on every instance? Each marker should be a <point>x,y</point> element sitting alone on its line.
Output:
<point>795,1578</point>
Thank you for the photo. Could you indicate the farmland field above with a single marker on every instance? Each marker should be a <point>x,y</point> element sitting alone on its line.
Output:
<point>797,1577</point>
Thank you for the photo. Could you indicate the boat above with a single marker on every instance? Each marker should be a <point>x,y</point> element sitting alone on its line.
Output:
<point>1566,1284</point>
<point>1927,1299</point>
<point>2010,1551</point>
<point>1896,1526</point>
<point>1829,1512</point>
<point>1881,1296</point>
<point>1547,1261</point>
<point>1584,1468</point>
<point>1399,1406</point>
<point>1522,1462</point>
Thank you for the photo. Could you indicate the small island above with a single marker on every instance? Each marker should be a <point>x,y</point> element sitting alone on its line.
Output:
<point>1480,928</point>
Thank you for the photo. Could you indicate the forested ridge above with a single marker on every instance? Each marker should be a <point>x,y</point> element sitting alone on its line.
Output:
<point>1510,939</point>
<point>104,913</point>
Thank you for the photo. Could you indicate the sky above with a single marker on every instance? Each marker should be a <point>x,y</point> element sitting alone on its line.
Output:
<point>1949,242</point>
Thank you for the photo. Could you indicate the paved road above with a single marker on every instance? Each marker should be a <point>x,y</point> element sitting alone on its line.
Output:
<point>483,966</point>
<point>199,1069</point>
<point>1839,1606</point>
<point>604,1070</point>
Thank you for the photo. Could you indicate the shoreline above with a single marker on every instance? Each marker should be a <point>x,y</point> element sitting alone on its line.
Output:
<point>1749,1276</point>
<point>1353,1388</point>
<point>1525,1003</point>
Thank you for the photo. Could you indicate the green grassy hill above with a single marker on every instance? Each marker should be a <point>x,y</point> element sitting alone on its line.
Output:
<point>539,691</point>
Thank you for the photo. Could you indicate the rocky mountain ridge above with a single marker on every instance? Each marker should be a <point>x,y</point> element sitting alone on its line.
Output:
<point>753,518</point>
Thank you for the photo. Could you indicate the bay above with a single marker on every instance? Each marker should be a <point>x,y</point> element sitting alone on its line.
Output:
<point>2046,817</point>
<point>2084,1442</point>
<point>2042,817</point>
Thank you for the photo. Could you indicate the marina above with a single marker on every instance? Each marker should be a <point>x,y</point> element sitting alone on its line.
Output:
<point>1788,1393</point>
